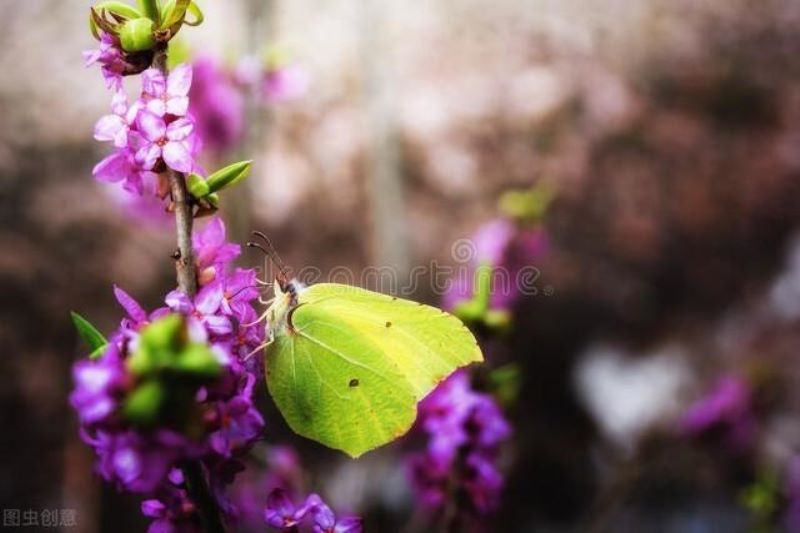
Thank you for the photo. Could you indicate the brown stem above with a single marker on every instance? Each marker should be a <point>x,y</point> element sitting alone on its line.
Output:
<point>196,483</point>
<point>184,218</point>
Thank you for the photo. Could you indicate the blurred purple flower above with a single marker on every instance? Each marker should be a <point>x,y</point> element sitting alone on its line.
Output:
<point>138,463</point>
<point>725,408</point>
<point>465,431</point>
<point>173,511</point>
<point>282,513</point>
<point>216,104</point>
<point>326,522</point>
<point>98,387</point>
<point>500,245</point>
<point>285,83</point>
<point>239,425</point>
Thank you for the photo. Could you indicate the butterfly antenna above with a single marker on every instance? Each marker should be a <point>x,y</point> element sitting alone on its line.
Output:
<point>269,251</point>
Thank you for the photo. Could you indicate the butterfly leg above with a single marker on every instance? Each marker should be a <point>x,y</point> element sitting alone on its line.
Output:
<point>259,348</point>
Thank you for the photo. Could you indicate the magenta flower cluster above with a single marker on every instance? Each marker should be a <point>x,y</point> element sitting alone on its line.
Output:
<point>465,429</point>
<point>149,420</point>
<point>221,315</point>
<point>150,135</point>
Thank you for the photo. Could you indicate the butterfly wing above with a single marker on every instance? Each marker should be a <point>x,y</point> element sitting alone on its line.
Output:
<point>351,371</point>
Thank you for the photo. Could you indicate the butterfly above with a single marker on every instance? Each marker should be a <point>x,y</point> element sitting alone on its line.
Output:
<point>346,366</point>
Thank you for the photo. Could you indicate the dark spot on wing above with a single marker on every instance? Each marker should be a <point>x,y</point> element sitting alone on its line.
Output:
<point>353,383</point>
<point>388,324</point>
<point>394,298</point>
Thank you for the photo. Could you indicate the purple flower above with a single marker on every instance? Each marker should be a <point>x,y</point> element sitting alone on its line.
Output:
<point>500,245</point>
<point>111,60</point>
<point>325,521</point>
<point>217,105</point>
<point>173,511</point>
<point>203,309</point>
<point>240,424</point>
<point>429,476</point>
<point>239,289</point>
<point>212,252</point>
<point>121,166</point>
<point>167,96</point>
<point>136,462</point>
<point>483,483</point>
<point>281,513</point>
<point>466,429</point>
<point>173,142</point>
<point>116,126</point>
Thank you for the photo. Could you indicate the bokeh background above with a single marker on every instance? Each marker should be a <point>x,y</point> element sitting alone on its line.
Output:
<point>667,130</point>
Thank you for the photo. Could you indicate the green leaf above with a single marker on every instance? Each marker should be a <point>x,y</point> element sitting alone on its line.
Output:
<point>229,176</point>
<point>137,35</point>
<point>173,13</point>
<point>195,11</point>
<point>347,366</point>
<point>121,9</point>
<point>151,10</point>
<point>90,335</point>
<point>144,404</point>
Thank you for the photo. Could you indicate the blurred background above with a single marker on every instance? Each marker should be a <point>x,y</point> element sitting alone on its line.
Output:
<point>658,359</point>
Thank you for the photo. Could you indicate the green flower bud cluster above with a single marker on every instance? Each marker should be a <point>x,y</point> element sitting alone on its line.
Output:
<point>206,190</point>
<point>141,28</point>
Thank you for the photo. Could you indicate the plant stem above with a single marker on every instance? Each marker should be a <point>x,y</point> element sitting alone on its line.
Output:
<point>196,483</point>
<point>197,488</point>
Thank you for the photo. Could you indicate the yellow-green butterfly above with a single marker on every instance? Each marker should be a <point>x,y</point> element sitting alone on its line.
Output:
<point>347,366</point>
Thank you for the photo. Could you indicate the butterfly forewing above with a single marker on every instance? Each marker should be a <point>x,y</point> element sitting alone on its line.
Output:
<point>356,363</point>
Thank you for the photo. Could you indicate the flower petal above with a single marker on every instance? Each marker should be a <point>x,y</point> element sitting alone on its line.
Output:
<point>112,128</point>
<point>151,126</point>
<point>180,81</point>
<point>113,168</point>
<point>180,129</point>
<point>177,157</point>
<point>130,305</point>
<point>178,106</point>
<point>153,83</point>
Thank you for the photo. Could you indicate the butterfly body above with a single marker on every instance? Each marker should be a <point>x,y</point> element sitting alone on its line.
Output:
<point>347,366</point>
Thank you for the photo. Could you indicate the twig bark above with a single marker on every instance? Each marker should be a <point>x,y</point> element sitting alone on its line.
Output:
<point>196,483</point>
